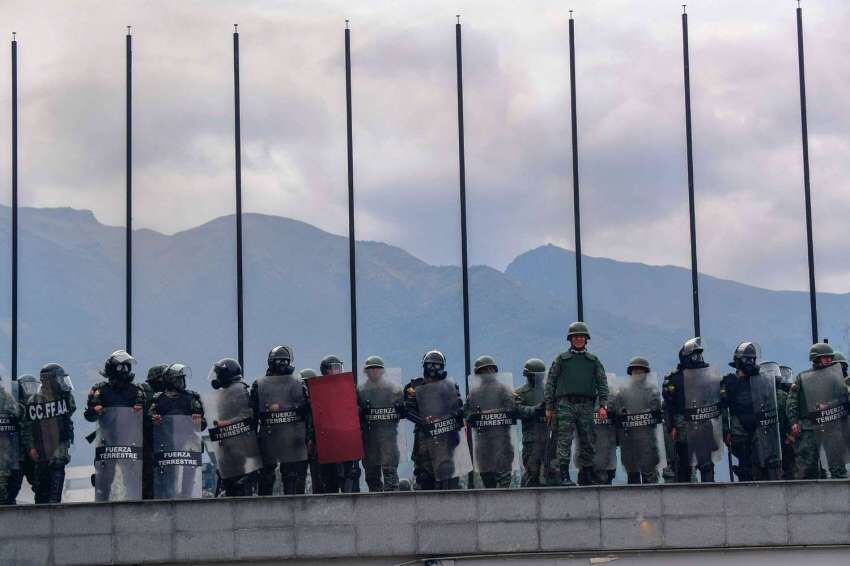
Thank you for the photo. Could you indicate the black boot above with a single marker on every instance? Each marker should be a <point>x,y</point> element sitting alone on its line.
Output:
<point>57,482</point>
<point>565,477</point>
<point>585,476</point>
<point>634,478</point>
<point>706,473</point>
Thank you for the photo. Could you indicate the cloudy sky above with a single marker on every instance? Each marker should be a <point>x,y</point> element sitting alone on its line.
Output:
<point>748,171</point>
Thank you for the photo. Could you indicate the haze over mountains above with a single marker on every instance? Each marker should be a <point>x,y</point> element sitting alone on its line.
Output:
<point>296,292</point>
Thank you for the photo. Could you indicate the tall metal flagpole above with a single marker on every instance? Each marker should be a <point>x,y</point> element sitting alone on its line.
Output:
<point>238,153</point>
<point>576,205</point>
<point>352,263</point>
<point>694,268</point>
<point>462,170</point>
<point>129,176</point>
<point>806,186</point>
<point>14,207</point>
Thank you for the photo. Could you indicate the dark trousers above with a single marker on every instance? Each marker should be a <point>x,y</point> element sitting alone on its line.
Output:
<point>292,478</point>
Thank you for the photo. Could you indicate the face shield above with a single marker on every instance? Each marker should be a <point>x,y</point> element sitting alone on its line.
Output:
<point>374,373</point>
<point>27,387</point>
<point>333,368</point>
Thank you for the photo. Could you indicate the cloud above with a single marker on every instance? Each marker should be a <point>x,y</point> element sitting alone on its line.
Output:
<point>748,171</point>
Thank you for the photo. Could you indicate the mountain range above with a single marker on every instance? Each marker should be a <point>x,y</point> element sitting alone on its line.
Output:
<point>71,302</point>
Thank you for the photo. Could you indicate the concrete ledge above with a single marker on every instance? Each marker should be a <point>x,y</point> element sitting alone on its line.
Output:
<point>395,526</point>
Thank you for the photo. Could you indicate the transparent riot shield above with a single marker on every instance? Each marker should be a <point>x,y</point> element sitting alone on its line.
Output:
<point>605,437</point>
<point>827,408</point>
<point>490,414</point>
<point>444,447</point>
<point>46,413</point>
<point>636,410</point>
<point>118,455</point>
<point>767,444</point>
<point>177,454</point>
<point>10,414</point>
<point>380,398</point>
<point>282,433</point>
<point>545,440</point>
<point>232,434</point>
<point>702,415</point>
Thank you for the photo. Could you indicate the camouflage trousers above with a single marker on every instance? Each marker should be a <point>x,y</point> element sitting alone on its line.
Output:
<point>5,478</point>
<point>534,463</point>
<point>575,419</point>
<point>382,478</point>
<point>495,479</point>
<point>807,458</point>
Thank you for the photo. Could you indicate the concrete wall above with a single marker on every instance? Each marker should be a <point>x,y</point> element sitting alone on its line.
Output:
<point>385,528</point>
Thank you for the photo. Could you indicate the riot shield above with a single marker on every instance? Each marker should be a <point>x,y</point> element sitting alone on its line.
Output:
<point>639,420</point>
<point>380,399</point>
<point>605,438</point>
<point>443,445</point>
<point>491,416</point>
<point>702,415</point>
<point>767,443</point>
<point>10,414</point>
<point>540,430</point>
<point>336,418</point>
<point>283,430</point>
<point>827,408</point>
<point>177,454</point>
<point>118,455</point>
<point>45,411</point>
<point>232,433</point>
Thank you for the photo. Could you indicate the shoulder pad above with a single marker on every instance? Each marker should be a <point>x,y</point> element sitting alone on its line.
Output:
<point>158,394</point>
<point>564,356</point>
<point>591,357</point>
<point>522,389</point>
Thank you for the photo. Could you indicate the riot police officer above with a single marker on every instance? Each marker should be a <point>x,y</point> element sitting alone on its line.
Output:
<point>312,455</point>
<point>22,389</point>
<point>750,420</point>
<point>490,412</point>
<point>47,431</point>
<point>436,408</point>
<point>817,410</point>
<point>538,440</point>
<point>280,401</point>
<point>151,386</point>
<point>692,412</point>
<point>10,450</point>
<point>636,411</point>
<point>783,385</point>
<point>342,477</point>
<point>177,416</point>
<point>576,393</point>
<point>381,407</point>
<point>233,429</point>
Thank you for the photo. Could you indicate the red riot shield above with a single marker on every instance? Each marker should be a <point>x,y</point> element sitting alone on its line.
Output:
<point>336,418</point>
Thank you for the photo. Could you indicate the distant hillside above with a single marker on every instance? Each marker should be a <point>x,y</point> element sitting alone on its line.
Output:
<point>296,292</point>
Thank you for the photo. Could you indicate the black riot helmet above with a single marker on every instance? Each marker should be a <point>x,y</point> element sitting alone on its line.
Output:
<point>154,378</point>
<point>119,367</point>
<point>176,376</point>
<point>690,354</point>
<point>55,375</point>
<point>27,387</point>
<point>434,365</point>
<point>746,358</point>
<point>330,365</point>
<point>280,360</point>
<point>224,372</point>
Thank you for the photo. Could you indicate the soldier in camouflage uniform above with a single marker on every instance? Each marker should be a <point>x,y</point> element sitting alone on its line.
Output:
<point>539,442</point>
<point>803,429</point>
<point>10,417</point>
<point>783,384</point>
<point>312,455</point>
<point>576,387</point>
<point>153,385</point>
